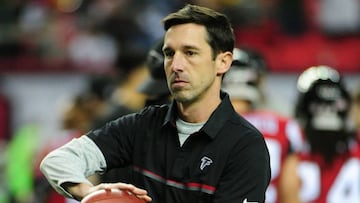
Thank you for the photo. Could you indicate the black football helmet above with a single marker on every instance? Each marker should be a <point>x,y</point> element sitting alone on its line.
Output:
<point>322,109</point>
<point>244,78</point>
<point>246,57</point>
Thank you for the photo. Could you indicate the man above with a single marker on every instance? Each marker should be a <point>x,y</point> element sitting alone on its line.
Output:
<point>196,149</point>
<point>282,134</point>
<point>328,170</point>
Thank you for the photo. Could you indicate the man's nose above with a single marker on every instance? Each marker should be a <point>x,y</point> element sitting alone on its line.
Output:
<point>177,63</point>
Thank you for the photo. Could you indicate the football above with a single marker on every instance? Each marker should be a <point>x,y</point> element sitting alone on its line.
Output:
<point>111,196</point>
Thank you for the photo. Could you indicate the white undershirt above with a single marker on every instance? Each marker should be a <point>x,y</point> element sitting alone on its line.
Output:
<point>185,129</point>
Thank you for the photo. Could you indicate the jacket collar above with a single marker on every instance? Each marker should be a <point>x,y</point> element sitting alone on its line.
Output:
<point>217,120</point>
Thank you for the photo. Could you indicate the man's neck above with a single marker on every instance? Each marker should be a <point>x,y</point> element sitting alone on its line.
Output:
<point>199,111</point>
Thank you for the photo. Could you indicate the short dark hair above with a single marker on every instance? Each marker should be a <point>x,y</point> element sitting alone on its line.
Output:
<point>220,35</point>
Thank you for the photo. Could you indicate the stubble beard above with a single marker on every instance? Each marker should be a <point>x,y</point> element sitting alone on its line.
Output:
<point>188,95</point>
<point>182,96</point>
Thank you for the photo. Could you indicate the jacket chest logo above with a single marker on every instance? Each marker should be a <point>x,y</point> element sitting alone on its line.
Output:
<point>205,161</point>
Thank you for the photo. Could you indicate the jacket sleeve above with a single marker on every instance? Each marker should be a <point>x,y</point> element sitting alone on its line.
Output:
<point>73,162</point>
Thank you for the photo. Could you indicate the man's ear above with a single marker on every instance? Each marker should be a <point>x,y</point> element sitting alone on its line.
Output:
<point>224,61</point>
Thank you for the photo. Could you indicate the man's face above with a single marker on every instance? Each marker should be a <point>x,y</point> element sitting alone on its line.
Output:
<point>189,65</point>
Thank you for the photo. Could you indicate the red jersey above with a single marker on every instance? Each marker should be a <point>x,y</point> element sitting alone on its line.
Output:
<point>283,136</point>
<point>330,183</point>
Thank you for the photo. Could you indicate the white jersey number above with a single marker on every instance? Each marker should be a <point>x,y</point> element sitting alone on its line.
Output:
<point>274,148</point>
<point>345,188</point>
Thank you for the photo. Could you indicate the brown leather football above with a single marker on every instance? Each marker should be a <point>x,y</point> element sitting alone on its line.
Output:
<point>111,196</point>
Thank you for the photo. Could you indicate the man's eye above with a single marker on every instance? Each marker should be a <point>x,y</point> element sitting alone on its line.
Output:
<point>190,53</point>
<point>168,54</point>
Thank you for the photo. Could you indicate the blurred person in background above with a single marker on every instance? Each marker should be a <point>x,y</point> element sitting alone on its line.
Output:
<point>328,170</point>
<point>155,86</point>
<point>282,134</point>
<point>19,163</point>
<point>92,50</point>
<point>130,70</point>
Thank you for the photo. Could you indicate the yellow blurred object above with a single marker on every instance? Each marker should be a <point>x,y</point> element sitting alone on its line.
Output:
<point>68,6</point>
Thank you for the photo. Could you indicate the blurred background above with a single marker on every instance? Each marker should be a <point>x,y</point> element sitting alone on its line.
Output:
<point>66,63</point>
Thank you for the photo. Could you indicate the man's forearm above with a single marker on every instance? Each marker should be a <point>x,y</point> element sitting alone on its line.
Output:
<point>77,190</point>
<point>72,163</point>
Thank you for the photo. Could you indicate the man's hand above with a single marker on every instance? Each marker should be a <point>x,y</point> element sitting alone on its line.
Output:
<point>80,190</point>
<point>140,193</point>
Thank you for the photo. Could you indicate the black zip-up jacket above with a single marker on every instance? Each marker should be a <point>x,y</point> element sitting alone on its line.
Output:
<point>226,161</point>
